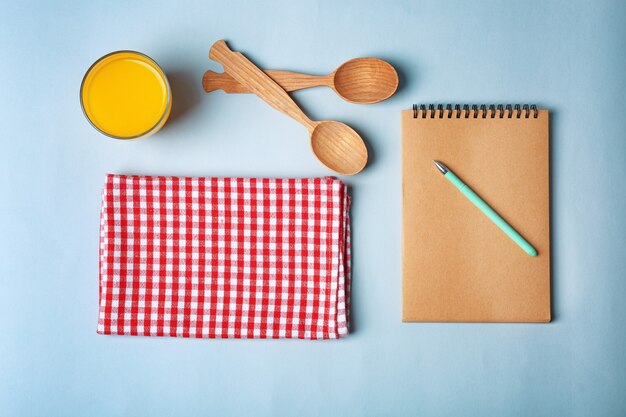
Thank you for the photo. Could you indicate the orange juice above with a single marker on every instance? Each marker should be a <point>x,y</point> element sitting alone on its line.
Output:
<point>126,95</point>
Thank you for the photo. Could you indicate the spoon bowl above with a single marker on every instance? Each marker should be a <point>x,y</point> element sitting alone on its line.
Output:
<point>338,147</point>
<point>365,80</point>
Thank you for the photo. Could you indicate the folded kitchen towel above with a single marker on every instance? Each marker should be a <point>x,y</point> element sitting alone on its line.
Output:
<point>224,257</point>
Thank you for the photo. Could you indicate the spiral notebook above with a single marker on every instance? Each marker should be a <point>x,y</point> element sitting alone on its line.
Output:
<point>457,265</point>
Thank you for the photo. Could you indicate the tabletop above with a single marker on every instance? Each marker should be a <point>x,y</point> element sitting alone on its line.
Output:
<point>566,56</point>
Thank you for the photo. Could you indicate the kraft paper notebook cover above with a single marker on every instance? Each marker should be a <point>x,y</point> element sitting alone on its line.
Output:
<point>457,265</point>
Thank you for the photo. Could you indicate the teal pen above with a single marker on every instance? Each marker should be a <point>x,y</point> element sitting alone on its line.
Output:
<point>488,211</point>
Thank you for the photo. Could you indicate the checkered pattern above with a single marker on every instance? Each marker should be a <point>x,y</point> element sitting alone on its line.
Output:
<point>224,257</point>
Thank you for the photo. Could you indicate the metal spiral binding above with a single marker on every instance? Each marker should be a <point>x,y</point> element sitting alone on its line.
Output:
<point>474,111</point>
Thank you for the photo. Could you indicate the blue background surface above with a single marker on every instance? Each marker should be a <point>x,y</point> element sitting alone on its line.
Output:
<point>565,56</point>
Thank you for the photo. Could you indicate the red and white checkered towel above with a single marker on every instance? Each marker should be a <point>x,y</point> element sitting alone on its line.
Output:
<point>224,257</point>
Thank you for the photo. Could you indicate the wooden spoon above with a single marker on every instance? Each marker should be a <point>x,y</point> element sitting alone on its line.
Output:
<point>335,144</point>
<point>359,80</point>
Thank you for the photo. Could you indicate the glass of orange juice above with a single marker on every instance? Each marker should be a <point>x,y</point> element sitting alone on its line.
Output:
<point>125,95</point>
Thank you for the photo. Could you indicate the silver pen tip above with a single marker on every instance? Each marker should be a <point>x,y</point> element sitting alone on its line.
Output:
<point>441,167</point>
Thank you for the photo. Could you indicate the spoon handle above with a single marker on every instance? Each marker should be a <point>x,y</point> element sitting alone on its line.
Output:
<point>248,74</point>
<point>289,81</point>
